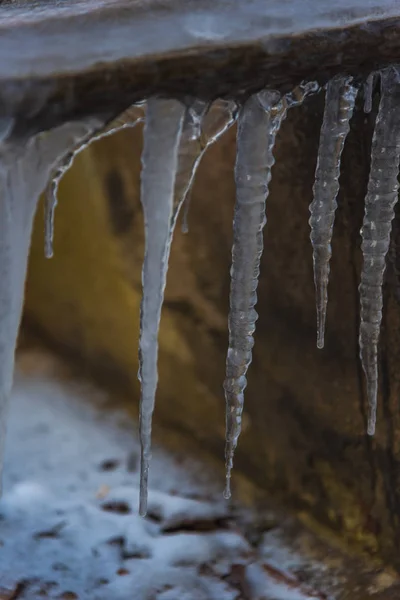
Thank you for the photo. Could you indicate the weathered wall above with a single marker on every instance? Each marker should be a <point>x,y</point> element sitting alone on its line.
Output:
<point>304,429</point>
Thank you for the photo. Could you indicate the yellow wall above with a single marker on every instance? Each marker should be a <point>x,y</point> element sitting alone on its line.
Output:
<point>86,299</point>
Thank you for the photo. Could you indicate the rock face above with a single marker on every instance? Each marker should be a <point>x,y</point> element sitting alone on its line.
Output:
<point>305,416</point>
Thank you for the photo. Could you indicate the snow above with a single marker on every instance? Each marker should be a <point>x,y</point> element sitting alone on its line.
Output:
<point>69,521</point>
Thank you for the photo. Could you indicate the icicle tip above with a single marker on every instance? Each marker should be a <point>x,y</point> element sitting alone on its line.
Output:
<point>227,491</point>
<point>48,250</point>
<point>320,340</point>
<point>371,420</point>
<point>372,406</point>
<point>143,496</point>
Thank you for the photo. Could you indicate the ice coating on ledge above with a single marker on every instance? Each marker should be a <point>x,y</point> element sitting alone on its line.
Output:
<point>138,33</point>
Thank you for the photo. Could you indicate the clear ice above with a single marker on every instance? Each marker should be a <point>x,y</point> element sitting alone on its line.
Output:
<point>259,121</point>
<point>257,127</point>
<point>92,130</point>
<point>380,201</point>
<point>162,133</point>
<point>339,104</point>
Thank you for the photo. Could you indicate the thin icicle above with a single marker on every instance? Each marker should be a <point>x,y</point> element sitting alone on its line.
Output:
<point>339,104</point>
<point>380,201</point>
<point>219,117</point>
<point>189,156</point>
<point>259,120</point>
<point>368,91</point>
<point>95,130</point>
<point>50,200</point>
<point>159,166</point>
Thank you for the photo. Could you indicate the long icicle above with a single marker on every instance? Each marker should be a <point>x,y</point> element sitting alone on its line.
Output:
<point>259,121</point>
<point>339,105</point>
<point>257,129</point>
<point>159,166</point>
<point>381,198</point>
<point>94,131</point>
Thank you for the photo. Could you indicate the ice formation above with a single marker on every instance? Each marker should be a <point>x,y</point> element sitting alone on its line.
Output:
<point>176,136</point>
<point>183,134</point>
<point>259,121</point>
<point>380,201</point>
<point>162,135</point>
<point>339,105</point>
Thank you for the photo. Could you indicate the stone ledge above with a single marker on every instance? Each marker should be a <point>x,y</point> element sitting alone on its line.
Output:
<point>66,62</point>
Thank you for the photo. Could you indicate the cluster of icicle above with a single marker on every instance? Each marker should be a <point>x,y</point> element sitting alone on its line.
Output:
<point>176,135</point>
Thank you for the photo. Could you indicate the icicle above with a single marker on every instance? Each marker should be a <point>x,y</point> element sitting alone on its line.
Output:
<point>380,201</point>
<point>339,104</point>
<point>219,117</point>
<point>95,130</point>
<point>159,166</point>
<point>368,91</point>
<point>259,120</point>
<point>24,170</point>
<point>257,128</point>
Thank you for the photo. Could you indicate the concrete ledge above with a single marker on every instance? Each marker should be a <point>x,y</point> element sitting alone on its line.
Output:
<point>65,61</point>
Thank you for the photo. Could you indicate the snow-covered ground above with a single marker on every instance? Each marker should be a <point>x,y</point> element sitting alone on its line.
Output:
<point>69,524</point>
